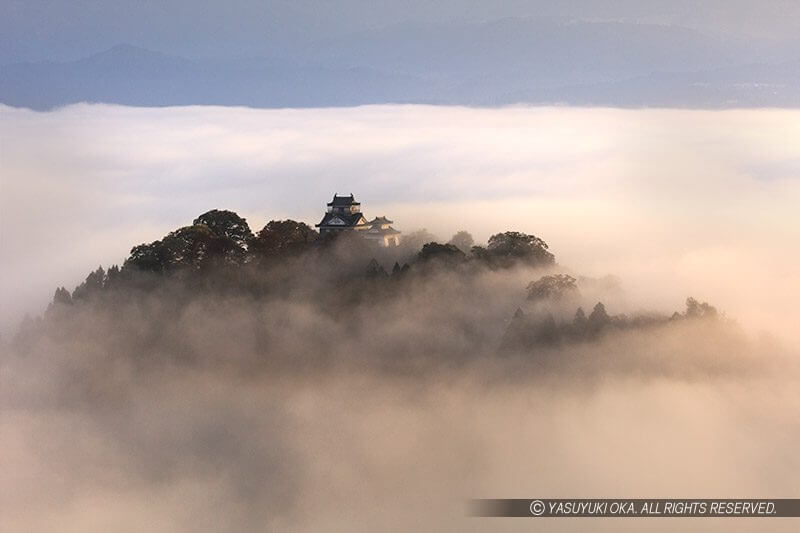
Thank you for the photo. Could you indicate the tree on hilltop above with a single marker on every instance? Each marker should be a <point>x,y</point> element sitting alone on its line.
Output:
<point>281,236</point>
<point>505,249</point>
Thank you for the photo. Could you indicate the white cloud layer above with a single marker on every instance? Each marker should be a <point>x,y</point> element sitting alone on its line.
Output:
<point>97,438</point>
<point>673,202</point>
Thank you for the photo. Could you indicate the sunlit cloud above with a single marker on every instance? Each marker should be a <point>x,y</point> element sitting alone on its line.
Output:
<point>245,414</point>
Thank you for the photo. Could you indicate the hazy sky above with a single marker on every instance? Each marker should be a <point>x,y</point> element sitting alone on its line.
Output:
<point>52,29</point>
<point>704,203</point>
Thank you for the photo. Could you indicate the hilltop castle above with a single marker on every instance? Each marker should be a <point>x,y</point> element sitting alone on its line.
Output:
<point>344,214</point>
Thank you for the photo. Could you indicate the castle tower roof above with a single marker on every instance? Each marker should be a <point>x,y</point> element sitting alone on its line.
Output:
<point>343,201</point>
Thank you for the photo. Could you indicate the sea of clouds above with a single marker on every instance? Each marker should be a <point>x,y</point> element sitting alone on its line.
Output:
<point>673,203</point>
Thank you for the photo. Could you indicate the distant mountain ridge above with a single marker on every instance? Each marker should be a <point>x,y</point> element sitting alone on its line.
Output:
<point>507,61</point>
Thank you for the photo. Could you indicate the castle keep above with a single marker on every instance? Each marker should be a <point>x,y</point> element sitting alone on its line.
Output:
<point>344,214</point>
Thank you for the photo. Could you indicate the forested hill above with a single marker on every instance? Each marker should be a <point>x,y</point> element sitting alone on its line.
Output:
<point>219,245</point>
<point>217,293</point>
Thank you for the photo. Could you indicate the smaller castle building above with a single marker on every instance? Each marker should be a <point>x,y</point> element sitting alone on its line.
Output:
<point>381,232</point>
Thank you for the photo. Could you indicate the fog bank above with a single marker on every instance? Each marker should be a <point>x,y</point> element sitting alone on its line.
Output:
<point>374,404</point>
<point>673,202</point>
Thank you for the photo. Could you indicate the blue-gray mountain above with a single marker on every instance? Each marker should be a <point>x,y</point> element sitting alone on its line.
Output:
<point>515,60</point>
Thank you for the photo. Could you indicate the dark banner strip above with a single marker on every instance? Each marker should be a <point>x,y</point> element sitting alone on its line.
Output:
<point>636,508</point>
